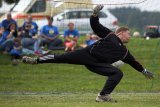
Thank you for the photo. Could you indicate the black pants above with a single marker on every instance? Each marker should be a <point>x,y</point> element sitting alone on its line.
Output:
<point>83,57</point>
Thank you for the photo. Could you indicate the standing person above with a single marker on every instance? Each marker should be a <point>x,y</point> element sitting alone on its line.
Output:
<point>7,21</point>
<point>71,36</point>
<point>99,56</point>
<point>49,34</point>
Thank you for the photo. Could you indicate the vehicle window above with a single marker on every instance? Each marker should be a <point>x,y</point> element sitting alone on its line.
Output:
<point>71,15</point>
<point>83,14</point>
<point>102,15</point>
<point>89,13</point>
<point>39,6</point>
<point>151,30</point>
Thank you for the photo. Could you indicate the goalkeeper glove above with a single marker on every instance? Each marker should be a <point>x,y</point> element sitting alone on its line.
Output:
<point>97,9</point>
<point>148,74</point>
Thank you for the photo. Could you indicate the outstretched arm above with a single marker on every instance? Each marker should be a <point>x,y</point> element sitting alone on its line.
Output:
<point>98,28</point>
<point>129,59</point>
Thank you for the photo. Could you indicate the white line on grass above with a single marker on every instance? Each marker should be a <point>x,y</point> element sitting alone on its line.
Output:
<point>54,93</point>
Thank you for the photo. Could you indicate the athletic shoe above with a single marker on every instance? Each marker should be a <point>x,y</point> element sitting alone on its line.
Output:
<point>97,9</point>
<point>104,98</point>
<point>29,60</point>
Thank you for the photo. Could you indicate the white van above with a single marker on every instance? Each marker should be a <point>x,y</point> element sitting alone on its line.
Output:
<point>80,17</point>
<point>39,9</point>
<point>34,7</point>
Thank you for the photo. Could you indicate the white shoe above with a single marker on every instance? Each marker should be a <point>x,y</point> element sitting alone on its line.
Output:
<point>29,60</point>
<point>104,98</point>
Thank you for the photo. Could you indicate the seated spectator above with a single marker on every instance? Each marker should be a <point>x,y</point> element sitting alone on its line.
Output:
<point>29,39</point>
<point>1,30</point>
<point>91,39</point>
<point>34,27</point>
<point>7,21</point>
<point>6,40</point>
<point>16,51</point>
<point>49,34</point>
<point>71,36</point>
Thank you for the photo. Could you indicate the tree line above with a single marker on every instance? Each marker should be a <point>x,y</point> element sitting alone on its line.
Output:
<point>135,18</point>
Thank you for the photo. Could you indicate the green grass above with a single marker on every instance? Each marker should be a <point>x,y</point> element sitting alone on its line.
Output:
<point>75,79</point>
<point>79,100</point>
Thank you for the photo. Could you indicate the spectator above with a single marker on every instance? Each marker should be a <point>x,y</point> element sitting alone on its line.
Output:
<point>71,36</point>
<point>49,34</point>
<point>7,21</point>
<point>1,30</point>
<point>29,41</point>
<point>16,52</point>
<point>6,41</point>
<point>34,27</point>
<point>91,39</point>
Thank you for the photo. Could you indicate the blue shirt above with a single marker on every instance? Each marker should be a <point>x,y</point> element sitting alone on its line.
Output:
<point>0,25</point>
<point>34,28</point>
<point>5,23</point>
<point>49,31</point>
<point>4,36</point>
<point>71,33</point>
<point>90,42</point>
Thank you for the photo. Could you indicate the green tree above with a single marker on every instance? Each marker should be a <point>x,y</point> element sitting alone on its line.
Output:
<point>135,18</point>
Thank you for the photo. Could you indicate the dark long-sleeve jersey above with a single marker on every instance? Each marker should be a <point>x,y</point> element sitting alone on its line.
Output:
<point>110,48</point>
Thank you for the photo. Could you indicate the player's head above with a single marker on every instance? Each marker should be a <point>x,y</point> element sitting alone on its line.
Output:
<point>123,33</point>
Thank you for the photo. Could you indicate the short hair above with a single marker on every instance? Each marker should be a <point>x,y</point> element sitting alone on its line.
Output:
<point>121,29</point>
<point>29,16</point>
<point>50,18</point>
<point>70,23</point>
<point>9,14</point>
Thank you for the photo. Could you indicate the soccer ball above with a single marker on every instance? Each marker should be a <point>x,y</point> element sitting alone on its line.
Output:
<point>147,38</point>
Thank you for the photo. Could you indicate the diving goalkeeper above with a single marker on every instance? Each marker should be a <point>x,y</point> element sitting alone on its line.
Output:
<point>99,56</point>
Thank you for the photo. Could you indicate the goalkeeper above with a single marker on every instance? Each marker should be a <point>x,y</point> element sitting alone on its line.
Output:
<point>99,56</point>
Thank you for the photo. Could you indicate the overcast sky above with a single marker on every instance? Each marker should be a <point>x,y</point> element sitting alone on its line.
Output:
<point>149,5</point>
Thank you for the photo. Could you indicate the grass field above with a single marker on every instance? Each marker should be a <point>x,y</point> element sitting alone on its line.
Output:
<point>75,86</point>
<point>79,100</point>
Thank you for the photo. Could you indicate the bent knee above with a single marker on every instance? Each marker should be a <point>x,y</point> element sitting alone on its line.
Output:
<point>120,74</point>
